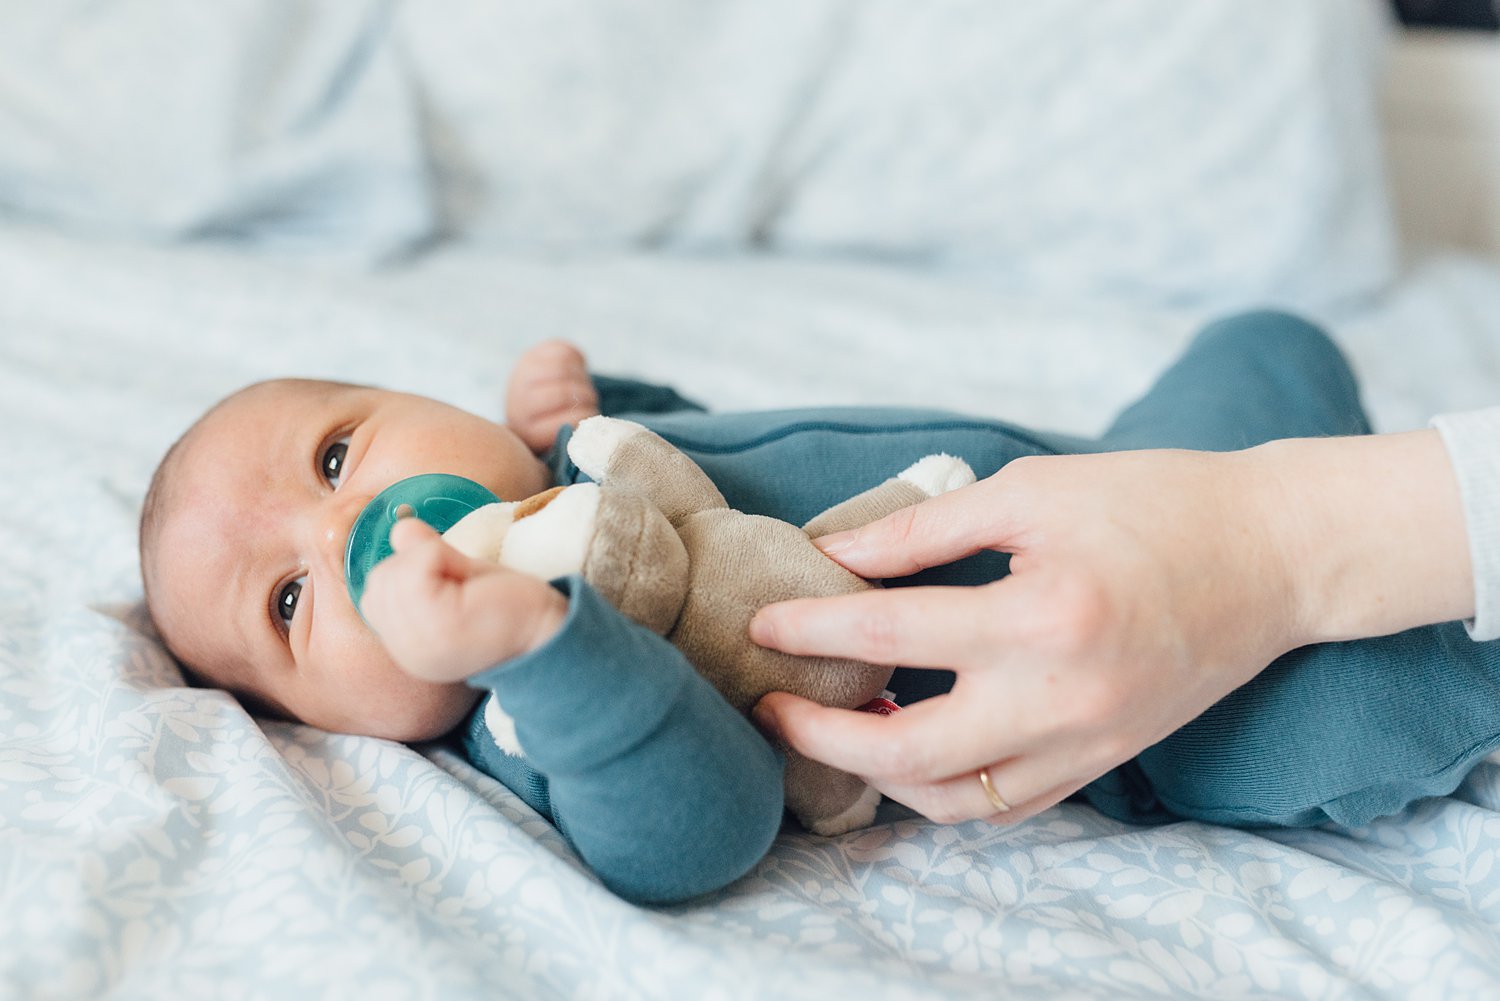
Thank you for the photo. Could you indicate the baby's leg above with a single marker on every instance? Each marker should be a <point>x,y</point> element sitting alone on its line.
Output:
<point>1245,380</point>
<point>1339,731</point>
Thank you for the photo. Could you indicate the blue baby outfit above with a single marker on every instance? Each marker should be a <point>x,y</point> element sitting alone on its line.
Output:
<point>666,792</point>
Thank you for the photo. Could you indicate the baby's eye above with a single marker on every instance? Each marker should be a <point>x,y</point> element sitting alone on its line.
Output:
<point>286,599</point>
<point>331,464</point>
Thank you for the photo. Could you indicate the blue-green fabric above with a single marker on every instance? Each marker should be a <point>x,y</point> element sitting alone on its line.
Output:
<point>661,786</point>
<point>1342,732</point>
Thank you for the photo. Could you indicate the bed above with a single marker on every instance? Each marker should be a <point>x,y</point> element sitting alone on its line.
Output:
<point>404,203</point>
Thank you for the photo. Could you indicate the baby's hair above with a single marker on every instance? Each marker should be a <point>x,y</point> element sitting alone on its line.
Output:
<point>157,508</point>
<point>157,505</point>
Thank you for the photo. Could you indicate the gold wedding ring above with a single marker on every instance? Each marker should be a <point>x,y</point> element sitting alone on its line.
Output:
<point>1000,805</point>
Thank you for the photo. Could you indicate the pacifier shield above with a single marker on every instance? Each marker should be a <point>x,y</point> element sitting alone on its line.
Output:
<point>440,499</point>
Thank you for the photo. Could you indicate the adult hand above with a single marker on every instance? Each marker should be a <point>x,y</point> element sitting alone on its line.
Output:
<point>549,387</point>
<point>1144,586</point>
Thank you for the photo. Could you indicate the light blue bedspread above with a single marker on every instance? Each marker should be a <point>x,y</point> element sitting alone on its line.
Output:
<point>158,842</point>
<point>155,841</point>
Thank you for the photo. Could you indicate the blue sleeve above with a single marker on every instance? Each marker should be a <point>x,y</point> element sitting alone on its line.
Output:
<point>659,784</point>
<point>631,396</point>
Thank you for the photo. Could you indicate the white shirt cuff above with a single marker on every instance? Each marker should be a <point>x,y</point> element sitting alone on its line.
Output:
<point>1473,442</point>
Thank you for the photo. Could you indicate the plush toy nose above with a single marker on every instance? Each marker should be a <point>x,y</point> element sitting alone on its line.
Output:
<point>440,499</point>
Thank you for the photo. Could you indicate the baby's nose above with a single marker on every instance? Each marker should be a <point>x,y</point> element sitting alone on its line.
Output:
<point>335,522</point>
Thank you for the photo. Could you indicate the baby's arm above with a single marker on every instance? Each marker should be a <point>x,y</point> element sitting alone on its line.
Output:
<point>660,785</point>
<point>549,387</point>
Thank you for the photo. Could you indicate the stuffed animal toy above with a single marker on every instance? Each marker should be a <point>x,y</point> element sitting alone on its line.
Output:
<point>656,539</point>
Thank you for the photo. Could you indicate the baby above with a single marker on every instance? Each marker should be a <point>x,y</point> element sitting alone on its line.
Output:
<point>662,788</point>
<point>243,533</point>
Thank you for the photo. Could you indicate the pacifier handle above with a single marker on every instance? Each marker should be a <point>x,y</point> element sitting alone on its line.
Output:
<point>440,499</point>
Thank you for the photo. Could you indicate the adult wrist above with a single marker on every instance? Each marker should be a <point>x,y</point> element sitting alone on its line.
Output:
<point>1368,532</point>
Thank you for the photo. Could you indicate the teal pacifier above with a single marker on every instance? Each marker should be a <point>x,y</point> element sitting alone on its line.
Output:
<point>440,499</point>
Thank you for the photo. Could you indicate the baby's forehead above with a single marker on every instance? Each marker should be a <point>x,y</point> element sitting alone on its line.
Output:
<point>286,395</point>
<point>264,405</point>
<point>242,418</point>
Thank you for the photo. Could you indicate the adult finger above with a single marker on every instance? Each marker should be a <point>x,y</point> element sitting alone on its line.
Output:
<point>937,531</point>
<point>935,739</point>
<point>910,626</point>
<point>1023,786</point>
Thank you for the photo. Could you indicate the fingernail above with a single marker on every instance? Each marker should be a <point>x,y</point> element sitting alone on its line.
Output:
<point>765,720</point>
<point>836,543</point>
<point>762,631</point>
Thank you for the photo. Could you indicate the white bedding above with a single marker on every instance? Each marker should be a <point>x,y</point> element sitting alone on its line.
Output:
<point>155,841</point>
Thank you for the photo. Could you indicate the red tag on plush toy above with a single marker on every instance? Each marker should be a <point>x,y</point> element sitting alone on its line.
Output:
<point>882,707</point>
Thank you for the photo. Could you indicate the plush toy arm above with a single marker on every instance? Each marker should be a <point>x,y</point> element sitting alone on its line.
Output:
<point>927,477</point>
<point>625,454</point>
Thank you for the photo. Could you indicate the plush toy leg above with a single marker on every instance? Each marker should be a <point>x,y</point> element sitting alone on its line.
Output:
<point>636,560</point>
<point>927,477</point>
<point>825,800</point>
<point>622,453</point>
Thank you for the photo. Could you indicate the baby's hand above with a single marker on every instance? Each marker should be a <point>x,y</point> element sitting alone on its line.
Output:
<point>549,387</point>
<point>443,616</point>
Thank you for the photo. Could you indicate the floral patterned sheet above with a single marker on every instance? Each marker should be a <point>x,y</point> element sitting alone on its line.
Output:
<point>156,841</point>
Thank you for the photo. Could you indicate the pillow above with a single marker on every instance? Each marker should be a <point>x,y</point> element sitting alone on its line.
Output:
<point>276,123</point>
<point>592,123</point>
<point>1215,152</point>
<point>1211,151</point>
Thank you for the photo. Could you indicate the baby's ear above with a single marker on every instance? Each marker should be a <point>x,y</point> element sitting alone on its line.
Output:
<point>480,533</point>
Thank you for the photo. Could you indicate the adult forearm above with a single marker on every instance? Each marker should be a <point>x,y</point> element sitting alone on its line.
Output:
<point>1371,532</point>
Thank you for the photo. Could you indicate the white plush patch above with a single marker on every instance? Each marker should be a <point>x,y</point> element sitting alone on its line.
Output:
<point>860,814</point>
<point>554,541</point>
<point>596,440</point>
<point>938,474</point>
<point>480,533</point>
<point>501,727</point>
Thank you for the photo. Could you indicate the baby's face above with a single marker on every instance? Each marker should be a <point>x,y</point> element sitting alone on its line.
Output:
<point>247,575</point>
